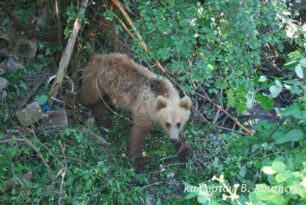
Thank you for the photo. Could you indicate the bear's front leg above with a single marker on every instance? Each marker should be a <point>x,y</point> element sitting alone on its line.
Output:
<point>99,111</point>
<point>137,145</point>
<point>184,151</point>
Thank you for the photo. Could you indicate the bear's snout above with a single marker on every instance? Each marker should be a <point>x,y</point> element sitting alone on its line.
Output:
<point>173,140</point>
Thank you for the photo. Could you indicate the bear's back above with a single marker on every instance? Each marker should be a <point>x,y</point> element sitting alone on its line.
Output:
<point>123,80</point>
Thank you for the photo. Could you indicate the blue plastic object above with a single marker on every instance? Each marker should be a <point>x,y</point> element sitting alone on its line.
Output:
<point>45,107</point>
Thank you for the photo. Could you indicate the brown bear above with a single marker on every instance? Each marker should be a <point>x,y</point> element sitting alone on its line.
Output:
<point>117,79</point>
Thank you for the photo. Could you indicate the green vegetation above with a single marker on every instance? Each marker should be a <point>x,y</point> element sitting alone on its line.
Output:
<point>246,57</point>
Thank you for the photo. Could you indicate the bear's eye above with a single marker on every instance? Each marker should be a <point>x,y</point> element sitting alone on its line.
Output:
<point>178,125</point>
<point>168,124</point>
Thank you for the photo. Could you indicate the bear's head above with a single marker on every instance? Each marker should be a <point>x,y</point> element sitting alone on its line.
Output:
<point>172,115</point>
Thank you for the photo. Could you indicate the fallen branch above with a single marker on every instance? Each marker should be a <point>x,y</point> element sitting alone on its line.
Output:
<point>57,84</point>
<point>201,116</point>
<point>222,109</point>
<point>149,185</point>
<point>130,22</point>
<point>17,181</point>
<point>124,26</point>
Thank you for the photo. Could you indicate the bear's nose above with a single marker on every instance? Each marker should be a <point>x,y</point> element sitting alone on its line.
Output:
<point>173,140</point>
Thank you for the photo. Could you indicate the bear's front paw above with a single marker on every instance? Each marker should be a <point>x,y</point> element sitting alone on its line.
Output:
<point>138,164</point>
<point>185,152</point>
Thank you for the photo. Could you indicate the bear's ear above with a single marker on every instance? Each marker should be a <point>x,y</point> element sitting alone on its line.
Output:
<point>160,102</point>
<point>185,102</point>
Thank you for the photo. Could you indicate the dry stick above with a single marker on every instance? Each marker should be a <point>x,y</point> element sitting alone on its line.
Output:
<point>149,185</point>
<point>201,116</point>
<point>10,140</point>
<point>33,147</point>
<point>229,115</point>
<point>124,26</point>
<point>63,173</point>
<point>130,22</point>
<point>58,22</point>
<point>57,84</point>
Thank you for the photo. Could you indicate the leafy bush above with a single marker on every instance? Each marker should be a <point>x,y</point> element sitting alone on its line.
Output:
<point>216,43</point>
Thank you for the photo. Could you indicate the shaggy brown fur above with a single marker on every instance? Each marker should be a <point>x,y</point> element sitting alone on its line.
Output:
<point>129,85</point>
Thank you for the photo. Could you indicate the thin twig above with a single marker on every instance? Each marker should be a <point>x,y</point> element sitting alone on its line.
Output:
<point>39,155</point>
<point>124,26</point>
<point>149,185</point>
<point>58,22</point>
<point>255,178</point>
<point>174,165</point>
<point>10,140</point>
<point>38,141</point>
<point>275,129</point>
<point>223,110</point>
<point>63,173</point>
<point>201,116</point>
<point>231,130</point>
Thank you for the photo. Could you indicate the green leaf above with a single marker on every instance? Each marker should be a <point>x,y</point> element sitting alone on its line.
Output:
<point>269,196</point>
<point>293,111</point>
<point>291,64</point>
<point>243,171</point>
<point>240,108</point>
<point>278,166</point>
<point>262,78</point>
<point>41,99</point>
<point>303,62</point>
<point>202,199</point>
<point>278,83</point>
<point>299,71</point>
<point>275,90</point>
<point>295,90</point>
<point>283,176</point>
<point>191,195</point>
<point>212,203</point>
<point>268,170</point>
<point>297,54</point>
<point>158,202</point>
<point>292,135</point>
<point>264,101</point>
